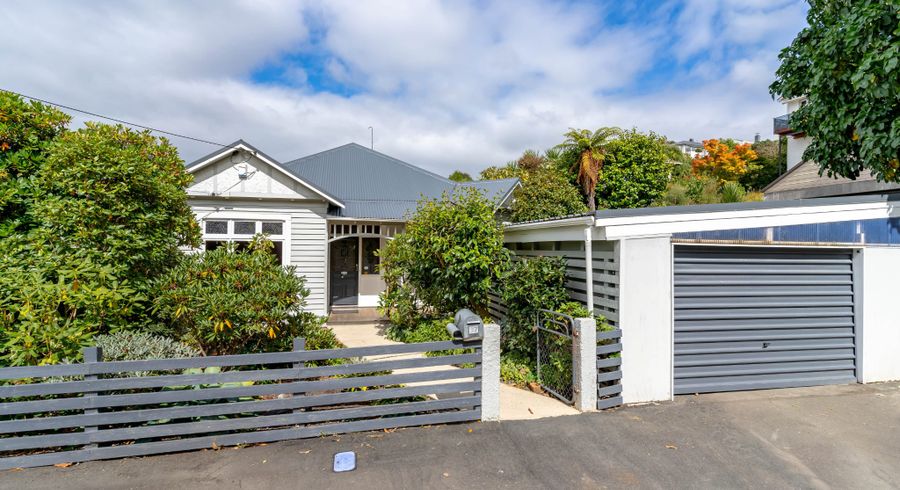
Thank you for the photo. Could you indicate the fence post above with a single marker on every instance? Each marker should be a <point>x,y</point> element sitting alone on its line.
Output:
<point>490,373</point>
<point>91,355</point>
<point>299,345</point>
<point>584,364</point>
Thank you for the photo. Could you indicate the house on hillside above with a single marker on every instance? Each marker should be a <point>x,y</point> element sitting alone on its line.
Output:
<point>802,179</point>
<point>690,148</point>
<point>327,213</point>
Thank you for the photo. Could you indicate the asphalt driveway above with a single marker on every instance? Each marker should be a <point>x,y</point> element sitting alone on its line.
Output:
<point>841,437</point>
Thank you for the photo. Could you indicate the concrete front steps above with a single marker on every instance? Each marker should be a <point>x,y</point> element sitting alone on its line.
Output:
<point>341,315</point>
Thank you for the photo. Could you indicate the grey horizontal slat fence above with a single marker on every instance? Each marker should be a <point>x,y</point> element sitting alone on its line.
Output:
<point>94,412</point>
<point>609,369</point>
<point>605,273</point>
<point>496,307</point>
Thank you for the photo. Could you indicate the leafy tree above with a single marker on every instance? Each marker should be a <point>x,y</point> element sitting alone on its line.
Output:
<point>92,217</point>
<point>226,301</point>
<point>508,171</point>
<point>637,170</point>
<point>546,194</point>
<point>460,176</point>
<point>449,256</point>
<point>531,161</point>
<point>26,131</point>
<point>771,161</point>
<point>119,194</point>
<point>724,160</point>
<point>847,63</point>
<point>591,148</point>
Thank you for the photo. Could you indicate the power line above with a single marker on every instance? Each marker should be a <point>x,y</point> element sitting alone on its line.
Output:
<point>94,114</point>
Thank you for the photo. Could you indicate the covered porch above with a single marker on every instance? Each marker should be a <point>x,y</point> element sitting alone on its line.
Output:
<point>354,277</point>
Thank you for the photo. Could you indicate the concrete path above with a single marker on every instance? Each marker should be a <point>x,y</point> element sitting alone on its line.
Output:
<point>515,403</point>
<point>837,437</point>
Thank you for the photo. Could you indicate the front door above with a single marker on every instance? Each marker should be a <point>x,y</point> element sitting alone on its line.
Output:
<point>344,271</point>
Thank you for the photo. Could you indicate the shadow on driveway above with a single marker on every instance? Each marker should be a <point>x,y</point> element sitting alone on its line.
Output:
<point>839,436</point>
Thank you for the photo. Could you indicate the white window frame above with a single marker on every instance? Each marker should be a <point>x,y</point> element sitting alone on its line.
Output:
<point>259,219</point>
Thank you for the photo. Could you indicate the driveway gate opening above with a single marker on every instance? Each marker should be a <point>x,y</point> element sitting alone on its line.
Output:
<point>554,354</point>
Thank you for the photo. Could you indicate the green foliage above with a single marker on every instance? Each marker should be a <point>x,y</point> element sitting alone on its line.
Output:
<point>89,218</point>
<point>591,148</point>
<point>700,189</point>
<point>516,370</point>
<point>460,176</point>
<point>119,195</point>
<point>227,302</point>
<point>546,193</point>
<point>847,63</point>
<point>52,303</point>
<point>636,170</point>
<point>769,164</point>
<point>447,258</point>
<point>508,171</point>
<point>136,346</point>
<point>732,192</point>
<point>527,286</point>
<point>26,131</point>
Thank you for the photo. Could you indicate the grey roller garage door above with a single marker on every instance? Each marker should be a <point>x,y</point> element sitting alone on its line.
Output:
<point>754,318</point>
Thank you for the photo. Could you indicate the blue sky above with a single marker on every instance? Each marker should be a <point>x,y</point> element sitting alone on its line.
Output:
<point>447,85</point>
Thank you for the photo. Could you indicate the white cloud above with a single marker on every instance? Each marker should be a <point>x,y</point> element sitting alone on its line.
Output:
<point>446,84</point>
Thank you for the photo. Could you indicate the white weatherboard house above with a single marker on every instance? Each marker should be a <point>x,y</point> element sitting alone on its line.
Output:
<point>327,213</point>
<point>731,297</point>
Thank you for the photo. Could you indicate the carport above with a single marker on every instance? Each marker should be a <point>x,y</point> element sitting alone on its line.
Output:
<point>731,297</point>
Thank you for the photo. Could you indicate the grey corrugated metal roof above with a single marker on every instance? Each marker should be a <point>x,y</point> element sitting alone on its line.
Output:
<point>354,172</point>
<point>495,190</point>
<point>375,185</point>
<point>375,209</point>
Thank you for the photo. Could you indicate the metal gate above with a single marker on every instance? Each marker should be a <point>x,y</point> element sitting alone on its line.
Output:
<point>554,354</point>
<point>754,318</point>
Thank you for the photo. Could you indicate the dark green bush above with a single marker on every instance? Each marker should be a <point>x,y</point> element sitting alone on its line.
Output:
<point>449,256</point>
<point>516,370</point>
<point>527,286</point>
<point>227,301</point>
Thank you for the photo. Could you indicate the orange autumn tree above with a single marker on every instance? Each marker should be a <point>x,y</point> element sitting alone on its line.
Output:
<point>724,160</point>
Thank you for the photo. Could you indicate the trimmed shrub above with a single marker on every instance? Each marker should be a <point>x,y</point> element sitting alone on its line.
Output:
<point>227,301</point>
<point>448,258</point>
<point>139,346</point>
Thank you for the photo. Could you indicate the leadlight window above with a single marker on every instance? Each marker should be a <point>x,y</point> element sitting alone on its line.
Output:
<point>217,227</point>
<point>245,227</point>
<point>272,227</point>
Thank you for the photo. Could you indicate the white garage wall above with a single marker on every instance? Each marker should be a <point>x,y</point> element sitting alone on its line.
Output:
<point>878,319</point>
<point>645,317</point>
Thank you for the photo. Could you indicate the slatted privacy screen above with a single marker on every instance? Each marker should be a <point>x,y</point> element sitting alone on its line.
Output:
<point>605,272</point>
<point>80,412</point>
<point>752,318</point>
<point>609,369</point>
<point>496,307</point>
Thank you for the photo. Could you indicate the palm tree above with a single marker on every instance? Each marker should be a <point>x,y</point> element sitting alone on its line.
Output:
<point>590,147</point>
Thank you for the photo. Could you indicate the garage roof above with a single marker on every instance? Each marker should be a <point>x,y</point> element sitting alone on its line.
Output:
<point>660,221</point>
